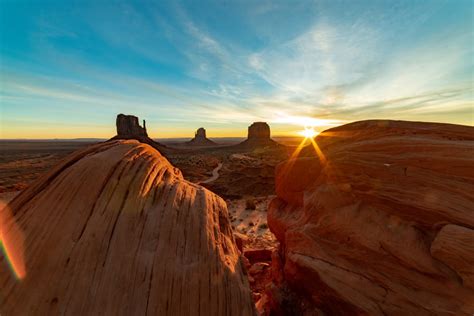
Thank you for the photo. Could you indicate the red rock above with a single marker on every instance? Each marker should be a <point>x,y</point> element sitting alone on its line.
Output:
<point>258,267</point>
<point>240,240</point>
<point>116,230</point>
<point>383,226</point>
<point>290,187</point>
<point>454,246</point>
<point>258,255</point>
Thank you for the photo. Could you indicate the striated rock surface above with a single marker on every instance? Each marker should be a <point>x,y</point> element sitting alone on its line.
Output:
<point>116,230</point>
<point>258,136</point>
<point>200,139</point>
<point>381,222</point>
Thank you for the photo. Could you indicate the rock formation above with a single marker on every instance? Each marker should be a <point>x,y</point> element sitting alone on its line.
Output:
<point>381,222</point>
<point>200,139</point>
<point>116,230</point>
<point>259,131</point>
<point>129,128</point>
<point>258,136</point>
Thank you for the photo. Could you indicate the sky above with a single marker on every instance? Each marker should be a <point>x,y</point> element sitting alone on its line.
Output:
<point>67,68</point>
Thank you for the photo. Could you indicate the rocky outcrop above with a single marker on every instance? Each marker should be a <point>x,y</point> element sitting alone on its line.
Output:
<point>116,230</point>
<point>377,220</point>
<point>259,130</point>
<point>129,128</point>
<point>258,136</point>
<point>200,139</point>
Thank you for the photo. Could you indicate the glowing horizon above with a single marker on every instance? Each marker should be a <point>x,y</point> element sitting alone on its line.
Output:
<point>222,66</point>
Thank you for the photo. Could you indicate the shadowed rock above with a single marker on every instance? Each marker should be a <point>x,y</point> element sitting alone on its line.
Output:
<point>200,139</point>
<point>258,136</point>
<point>259,131</point>
<point>116,230</point>
<point>129,128</point>
<point>383,224</point>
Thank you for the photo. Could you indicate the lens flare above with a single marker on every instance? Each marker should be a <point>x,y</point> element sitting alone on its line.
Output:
<point>11,242</point>
<point>308,132</point>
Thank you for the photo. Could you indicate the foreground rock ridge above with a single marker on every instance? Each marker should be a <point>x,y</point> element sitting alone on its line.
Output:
<point>381,224</point>
<point>116,230</point>
<point>200,139</point>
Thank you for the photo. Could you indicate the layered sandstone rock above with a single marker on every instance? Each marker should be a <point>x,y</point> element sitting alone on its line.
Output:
<point>116,230</point>
<point>380,222</point>
<point>200,139</point>
<point>258,136</point>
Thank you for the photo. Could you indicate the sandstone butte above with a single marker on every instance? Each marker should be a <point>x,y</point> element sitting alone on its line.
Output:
<point>116,230</point>
<point>382,225</point>
<point>200,139</point>
<point>258,136</point>
<point>129,128</point>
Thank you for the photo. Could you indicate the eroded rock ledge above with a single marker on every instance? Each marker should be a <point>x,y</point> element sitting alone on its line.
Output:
<point>381,224</point>
<point>116,230</point>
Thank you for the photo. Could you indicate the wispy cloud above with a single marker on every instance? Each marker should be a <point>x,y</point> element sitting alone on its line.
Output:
<point>312,63</point>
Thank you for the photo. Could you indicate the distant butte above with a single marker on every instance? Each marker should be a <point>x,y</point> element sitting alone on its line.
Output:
<point>200,139</point>
<point>129,128</point>
<point>258,136</point>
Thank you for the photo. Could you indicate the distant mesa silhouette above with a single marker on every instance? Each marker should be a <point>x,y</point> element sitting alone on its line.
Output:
<point>258,136</point>
<point>129,128</point>
<point>200,139</point>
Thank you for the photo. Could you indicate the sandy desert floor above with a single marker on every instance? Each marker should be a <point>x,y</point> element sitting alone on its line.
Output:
<point>22,162</point>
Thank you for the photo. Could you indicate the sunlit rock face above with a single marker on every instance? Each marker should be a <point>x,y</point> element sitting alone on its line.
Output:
<point>382,225</point>
<point>116,230</point>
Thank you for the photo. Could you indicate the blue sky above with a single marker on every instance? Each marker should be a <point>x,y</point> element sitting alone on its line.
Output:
<point>67,67</point>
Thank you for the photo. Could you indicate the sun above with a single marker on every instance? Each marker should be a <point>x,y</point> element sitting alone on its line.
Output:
<point>308,132</point>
